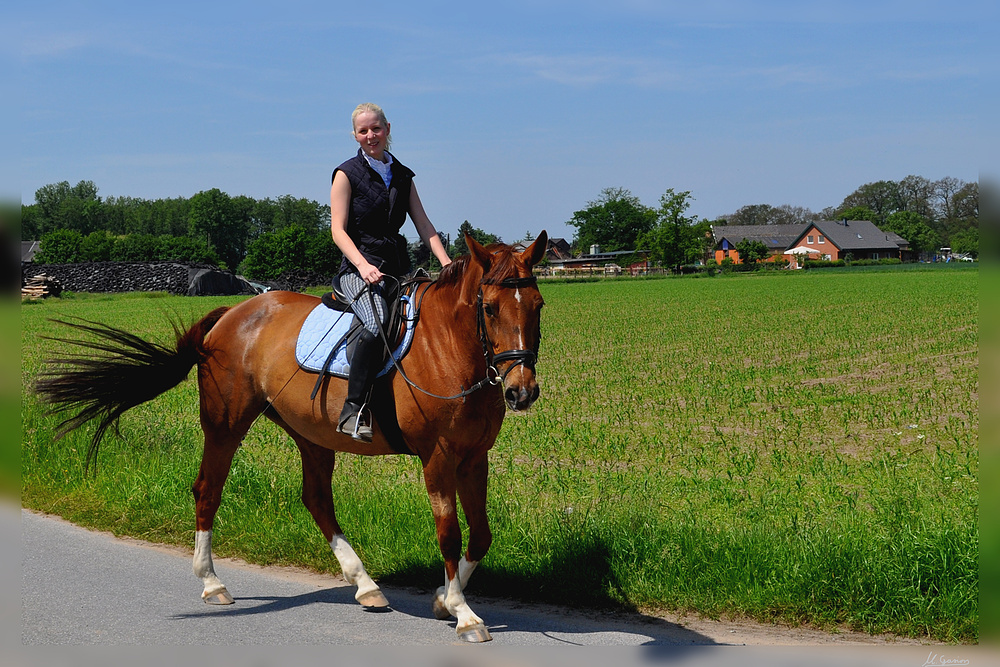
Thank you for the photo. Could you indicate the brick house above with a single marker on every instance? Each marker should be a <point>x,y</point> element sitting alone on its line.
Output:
<point>859,238</point>
<point>777,238</point>
<point>813,240</point>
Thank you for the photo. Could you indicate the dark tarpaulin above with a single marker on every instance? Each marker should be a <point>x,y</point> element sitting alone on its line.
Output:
<point>212,282</point>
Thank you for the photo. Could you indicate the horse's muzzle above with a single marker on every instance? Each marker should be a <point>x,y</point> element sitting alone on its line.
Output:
<point>520,397</point>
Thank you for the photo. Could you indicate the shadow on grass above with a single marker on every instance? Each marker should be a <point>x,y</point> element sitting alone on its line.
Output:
<point>577,572</point>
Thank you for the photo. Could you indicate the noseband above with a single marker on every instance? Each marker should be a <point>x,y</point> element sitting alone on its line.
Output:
<point>518,357</point>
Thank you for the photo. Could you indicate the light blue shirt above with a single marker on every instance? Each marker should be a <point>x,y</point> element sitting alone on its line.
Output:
<point>384,169</point>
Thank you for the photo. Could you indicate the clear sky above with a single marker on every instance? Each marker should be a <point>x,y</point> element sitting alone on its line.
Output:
<point>512,114</point>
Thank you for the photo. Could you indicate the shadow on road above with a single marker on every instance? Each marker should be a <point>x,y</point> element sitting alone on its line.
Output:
<point>558,625</point>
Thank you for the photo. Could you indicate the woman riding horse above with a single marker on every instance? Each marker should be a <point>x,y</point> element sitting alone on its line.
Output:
<point>369,198</point>
<point>472,357</point>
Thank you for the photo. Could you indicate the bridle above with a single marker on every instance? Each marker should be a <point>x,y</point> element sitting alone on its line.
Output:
<point>519,357</point>
<point>493,376</point>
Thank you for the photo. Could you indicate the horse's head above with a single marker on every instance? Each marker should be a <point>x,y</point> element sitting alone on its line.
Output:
<point>508,308</point>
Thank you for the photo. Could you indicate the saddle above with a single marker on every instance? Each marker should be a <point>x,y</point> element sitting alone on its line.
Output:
<point>326,341</point>
<point>325,345</point>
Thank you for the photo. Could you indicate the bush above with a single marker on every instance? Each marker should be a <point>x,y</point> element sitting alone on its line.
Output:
<point>136,248</point>
<point>187,249</point>
<point>823,263</point>
<point>290,250</point>
<point>877,262</point>
<point>63,246</point>
<point>97,247</point>
<point>322,254</point>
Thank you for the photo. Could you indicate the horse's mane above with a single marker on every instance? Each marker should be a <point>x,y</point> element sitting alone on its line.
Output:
<point>503,266</point>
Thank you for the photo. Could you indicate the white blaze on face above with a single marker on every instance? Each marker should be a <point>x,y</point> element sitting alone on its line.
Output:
<point>520,333</point>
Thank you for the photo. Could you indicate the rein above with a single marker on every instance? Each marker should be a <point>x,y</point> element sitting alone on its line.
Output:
<point>493,376</point>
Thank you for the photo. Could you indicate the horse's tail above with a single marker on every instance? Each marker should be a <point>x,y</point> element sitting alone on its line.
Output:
<point>127,371</point>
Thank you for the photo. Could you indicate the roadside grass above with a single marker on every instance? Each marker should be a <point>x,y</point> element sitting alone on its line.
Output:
<point>795,448</point>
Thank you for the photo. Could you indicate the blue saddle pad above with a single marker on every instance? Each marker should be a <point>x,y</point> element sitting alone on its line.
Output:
<point>325,327</point>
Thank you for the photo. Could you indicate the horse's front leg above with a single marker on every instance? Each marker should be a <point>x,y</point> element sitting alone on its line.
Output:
<point>471,480</point>
<point>442,477</point>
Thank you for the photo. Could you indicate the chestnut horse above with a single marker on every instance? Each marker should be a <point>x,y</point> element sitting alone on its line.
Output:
<point>479,321</point>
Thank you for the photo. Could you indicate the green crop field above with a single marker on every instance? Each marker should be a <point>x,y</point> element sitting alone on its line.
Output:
<point>795,447</point>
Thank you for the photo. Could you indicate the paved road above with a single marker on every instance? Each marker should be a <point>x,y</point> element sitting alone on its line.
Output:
<point>88,598</point>
<point>84,587</point>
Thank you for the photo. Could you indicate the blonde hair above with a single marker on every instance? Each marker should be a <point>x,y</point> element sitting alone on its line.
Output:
<point>366,107</point>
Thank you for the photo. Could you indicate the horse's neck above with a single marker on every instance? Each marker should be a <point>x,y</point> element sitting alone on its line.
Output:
<point>450,317</point>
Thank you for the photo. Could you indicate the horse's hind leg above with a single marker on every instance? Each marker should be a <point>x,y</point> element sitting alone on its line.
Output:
<point>317,496</point>
<point>207,489</point>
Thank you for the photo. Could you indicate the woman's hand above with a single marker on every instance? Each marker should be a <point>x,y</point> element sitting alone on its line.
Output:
<point>369,273</point>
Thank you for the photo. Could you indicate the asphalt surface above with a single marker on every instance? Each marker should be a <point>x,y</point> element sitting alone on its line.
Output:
<point>88,598</point>
<point>85,587</point>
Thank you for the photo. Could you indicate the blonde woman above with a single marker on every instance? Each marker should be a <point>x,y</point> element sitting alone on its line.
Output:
<point>370,197</point>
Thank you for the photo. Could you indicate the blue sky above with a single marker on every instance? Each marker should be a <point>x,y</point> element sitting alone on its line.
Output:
<point>513,115</point>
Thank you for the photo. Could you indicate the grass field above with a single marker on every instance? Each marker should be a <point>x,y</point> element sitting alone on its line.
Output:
<point>799,447</point>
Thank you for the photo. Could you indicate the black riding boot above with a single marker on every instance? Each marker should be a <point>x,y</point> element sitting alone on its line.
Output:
<point>367,353</point>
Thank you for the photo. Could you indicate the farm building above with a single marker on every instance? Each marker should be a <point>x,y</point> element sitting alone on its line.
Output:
<point>859,238</point>
<point>28,250</point>
<point>558,249</point>
<point>777,238</point>
<point>601,262</point>
<point>828,239</point>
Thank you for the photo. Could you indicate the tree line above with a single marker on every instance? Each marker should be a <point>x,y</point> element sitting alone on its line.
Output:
<point>928,214</point>
<point>618,221</point>
<point>259,238</point>
<point>265,238</point>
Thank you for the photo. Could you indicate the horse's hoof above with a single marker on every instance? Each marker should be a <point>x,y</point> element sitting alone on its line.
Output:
<point>373,600</point>
<point>219,597</point>
<point>441,612</point>
<point>475,634</point>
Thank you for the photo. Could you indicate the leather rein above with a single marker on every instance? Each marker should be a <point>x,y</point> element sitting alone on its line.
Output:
<point>493,376</point>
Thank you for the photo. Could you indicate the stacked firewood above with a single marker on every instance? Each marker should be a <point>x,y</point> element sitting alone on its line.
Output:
<point>41,286</point>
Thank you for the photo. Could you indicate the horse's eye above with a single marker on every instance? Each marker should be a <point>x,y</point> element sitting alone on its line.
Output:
<point>488,309</point>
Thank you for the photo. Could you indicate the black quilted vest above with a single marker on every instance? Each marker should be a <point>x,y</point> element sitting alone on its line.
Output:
<point>377,214</point>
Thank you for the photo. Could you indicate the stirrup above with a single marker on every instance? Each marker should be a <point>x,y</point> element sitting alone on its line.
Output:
<point>353,426</point>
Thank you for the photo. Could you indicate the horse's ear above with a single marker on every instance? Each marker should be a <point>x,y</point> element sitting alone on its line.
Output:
<point>533,253</point>
<point>480,254</point>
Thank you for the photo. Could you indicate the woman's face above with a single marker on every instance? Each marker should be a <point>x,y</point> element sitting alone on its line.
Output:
<point>371,134</point>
